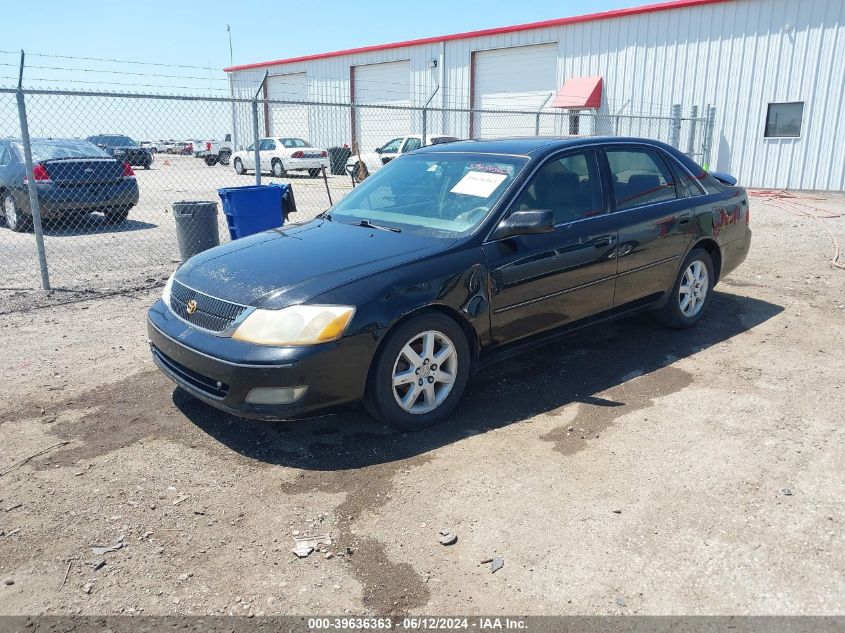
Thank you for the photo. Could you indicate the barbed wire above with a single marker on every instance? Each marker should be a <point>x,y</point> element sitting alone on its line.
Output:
<point>113,61</point>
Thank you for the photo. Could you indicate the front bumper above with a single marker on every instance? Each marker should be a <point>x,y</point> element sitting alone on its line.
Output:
<point>221,371</point>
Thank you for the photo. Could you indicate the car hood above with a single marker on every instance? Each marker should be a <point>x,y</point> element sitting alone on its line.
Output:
<point>290,265</point>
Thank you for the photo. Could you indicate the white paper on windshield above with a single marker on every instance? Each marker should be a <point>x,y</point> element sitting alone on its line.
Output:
<point>479,183</point>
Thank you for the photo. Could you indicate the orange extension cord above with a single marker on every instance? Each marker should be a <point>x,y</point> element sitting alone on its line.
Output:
<point>790,203</point>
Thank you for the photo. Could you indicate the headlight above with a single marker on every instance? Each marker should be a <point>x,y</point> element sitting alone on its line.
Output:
<point>165,294</point>
<point>295,325</point>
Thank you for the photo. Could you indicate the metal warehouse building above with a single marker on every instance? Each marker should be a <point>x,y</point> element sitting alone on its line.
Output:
<point>771,73</point>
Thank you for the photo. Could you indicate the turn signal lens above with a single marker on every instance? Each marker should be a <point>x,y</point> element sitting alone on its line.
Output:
<point>295,325</point>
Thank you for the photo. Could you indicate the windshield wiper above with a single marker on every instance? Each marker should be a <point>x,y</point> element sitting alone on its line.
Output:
<point>370,225</point>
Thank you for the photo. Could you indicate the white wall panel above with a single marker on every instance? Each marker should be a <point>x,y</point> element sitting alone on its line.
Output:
<point>737,56</point>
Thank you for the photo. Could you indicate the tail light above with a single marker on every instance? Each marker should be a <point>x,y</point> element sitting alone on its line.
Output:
<point>39,174</point>
<point>127,170</point>
<point>323,154</point>
<point>208,147</point>
<point>747,214</point>
<point>298,154</point>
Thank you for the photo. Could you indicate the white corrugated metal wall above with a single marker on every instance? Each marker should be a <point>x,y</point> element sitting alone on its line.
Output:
<point>738,56</point>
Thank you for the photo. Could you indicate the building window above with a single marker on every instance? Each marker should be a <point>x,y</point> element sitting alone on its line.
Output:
<point>784,119</point>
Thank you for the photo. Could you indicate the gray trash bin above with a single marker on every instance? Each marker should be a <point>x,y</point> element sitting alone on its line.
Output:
<point>196,227</point>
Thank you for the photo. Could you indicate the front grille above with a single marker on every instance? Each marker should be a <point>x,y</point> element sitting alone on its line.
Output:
<point>211,313</point>
<point>212,387</point>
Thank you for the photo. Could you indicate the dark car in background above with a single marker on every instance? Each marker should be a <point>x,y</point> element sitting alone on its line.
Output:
<point>72,177</point>
<point>124,148</point>
<point>447,258</point>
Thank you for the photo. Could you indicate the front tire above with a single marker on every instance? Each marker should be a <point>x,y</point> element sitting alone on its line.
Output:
<point>224,157</point>
<point>690,294</point>
<point>420,373</point>
<point>239,167</point>
<point>15,219</point>
<point>116,216</point>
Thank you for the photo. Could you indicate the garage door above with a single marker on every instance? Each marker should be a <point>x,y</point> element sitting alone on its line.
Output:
<point>517,78</point>
<point>288,119</point>
<point>382,84</point>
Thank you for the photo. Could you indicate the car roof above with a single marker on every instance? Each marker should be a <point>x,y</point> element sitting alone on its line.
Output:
<point>533,146</point>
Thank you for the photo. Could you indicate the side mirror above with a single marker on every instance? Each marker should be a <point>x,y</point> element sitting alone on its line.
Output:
<point>525,223</point>
<point>228,138</point>
<point>377,150</point>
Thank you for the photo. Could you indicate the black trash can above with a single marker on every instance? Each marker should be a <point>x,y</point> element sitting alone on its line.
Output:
<point>337,159</point>
<point>196,227</point>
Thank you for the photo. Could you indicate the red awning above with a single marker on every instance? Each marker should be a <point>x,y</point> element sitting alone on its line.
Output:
<point>579,92</point>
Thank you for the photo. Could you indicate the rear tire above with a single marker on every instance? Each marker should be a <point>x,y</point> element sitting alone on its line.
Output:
<point>16,220</point>
<point>116,216</point>
<point>224,157</point>
<point>360,172</point>
<point>412,354</point>
<point>315,173</point>
<point>239,167</point>
<point>690,294</point>
<point>211,161</point>
<point>277,169</point>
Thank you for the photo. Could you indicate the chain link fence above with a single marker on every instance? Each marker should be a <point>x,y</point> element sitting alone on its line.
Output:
<point>109,227</point>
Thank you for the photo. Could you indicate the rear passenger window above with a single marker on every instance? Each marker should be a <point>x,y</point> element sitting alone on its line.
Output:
<point>640,177</point>
<point>570,187</point>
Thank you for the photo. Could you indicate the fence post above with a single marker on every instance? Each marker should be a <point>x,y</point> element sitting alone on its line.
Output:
<point>537,116</point>
<point>709,125</point>
<point>255,133</point>
<point>675,133</point>
<point>693,123</point>
<point>30,178</point>
<point>424,125</point>
<point>255,137</point>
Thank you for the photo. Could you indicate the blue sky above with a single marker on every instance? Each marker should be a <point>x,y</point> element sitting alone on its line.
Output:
<point>194,33</point>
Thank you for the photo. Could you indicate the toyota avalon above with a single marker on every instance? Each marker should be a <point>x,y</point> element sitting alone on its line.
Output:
<point>448,258</point>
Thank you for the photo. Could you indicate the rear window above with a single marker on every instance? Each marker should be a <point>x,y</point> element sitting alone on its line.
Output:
<point>51,149</point>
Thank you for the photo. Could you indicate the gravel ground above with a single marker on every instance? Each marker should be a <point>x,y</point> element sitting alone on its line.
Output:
<point>628,469</point>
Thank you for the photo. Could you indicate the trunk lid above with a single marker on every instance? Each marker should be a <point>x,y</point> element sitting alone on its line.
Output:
<point>83,171</point>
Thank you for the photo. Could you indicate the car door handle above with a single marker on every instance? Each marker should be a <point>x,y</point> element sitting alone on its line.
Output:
<point>603,240</point>
<point>686,218</point>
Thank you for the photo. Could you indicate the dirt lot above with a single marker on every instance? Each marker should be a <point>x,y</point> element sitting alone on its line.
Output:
<point>630,469</point>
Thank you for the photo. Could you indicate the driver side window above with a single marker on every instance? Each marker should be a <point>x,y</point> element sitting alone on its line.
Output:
<point>391,147</point>
<point>570,187</point>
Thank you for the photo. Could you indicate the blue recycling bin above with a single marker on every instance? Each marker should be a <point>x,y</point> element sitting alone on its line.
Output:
<point>257,208</point>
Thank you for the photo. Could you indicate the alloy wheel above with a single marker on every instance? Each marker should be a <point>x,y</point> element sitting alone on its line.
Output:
<point>693,289</point>
<point>424,372</point>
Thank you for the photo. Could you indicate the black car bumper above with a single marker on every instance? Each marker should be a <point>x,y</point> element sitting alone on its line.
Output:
<point>56,201</point>
<point>221,371</point>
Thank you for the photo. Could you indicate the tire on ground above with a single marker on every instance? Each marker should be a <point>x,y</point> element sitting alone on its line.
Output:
<point>671,313</point>
<point>379,399</point>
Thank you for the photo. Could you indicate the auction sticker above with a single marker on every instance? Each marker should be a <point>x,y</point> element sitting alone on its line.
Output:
<point>478,183</point>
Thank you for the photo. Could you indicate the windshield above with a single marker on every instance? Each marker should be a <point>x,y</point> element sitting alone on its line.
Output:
<point>440,194</point>
<point>51,149</point>
<point>120,141</point>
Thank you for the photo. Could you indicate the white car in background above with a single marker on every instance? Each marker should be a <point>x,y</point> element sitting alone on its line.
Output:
<point>359,166</point>
<point>280,155</point>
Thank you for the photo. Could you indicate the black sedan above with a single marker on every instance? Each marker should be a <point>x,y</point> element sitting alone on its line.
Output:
<point>72,177</point>
<point>444,260</point>
<point>124,148</point>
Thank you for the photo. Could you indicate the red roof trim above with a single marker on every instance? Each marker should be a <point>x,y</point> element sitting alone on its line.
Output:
<point>590,17</point>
